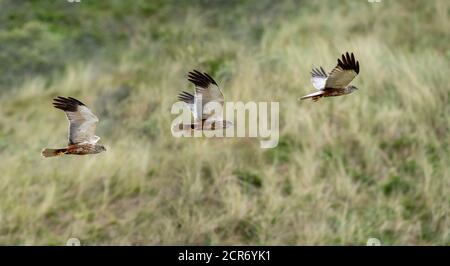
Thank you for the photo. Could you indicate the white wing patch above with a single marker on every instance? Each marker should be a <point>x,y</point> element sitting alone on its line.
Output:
<point>318,78</point>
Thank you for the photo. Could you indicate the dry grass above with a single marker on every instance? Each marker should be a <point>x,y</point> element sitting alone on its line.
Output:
<point>372,164</point>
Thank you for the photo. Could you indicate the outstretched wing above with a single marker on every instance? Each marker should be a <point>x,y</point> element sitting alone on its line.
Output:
<point>206,90</point>
<point>318,78</point>
<point>188,99</point>
<point>82,121</point>
<point>345,71</point>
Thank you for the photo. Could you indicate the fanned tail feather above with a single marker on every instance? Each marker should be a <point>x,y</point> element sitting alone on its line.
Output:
<point>53,152</point>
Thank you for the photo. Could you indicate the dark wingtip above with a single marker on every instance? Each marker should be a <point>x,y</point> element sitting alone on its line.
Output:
<point>66,104</point>
<point>200,79</point>
<point>348,62</point>
<point>186,97</point>
<point>318,72</point>
<point>77,101</point>
<point>210,78</point>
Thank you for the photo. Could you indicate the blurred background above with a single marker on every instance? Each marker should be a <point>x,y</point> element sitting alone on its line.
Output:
<point>372,164</point>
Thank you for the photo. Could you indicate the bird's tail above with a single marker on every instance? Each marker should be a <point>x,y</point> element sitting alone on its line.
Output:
<point>53,152</point>
<point>315,96</point>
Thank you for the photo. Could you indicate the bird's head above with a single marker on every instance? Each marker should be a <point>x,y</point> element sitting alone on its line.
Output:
<point>100,148</point>
<point>352,88</point>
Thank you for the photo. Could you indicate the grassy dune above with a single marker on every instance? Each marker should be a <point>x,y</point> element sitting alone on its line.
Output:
<point>372,164</point>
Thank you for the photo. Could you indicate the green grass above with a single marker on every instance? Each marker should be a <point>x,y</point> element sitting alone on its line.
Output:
<point>372,164</point>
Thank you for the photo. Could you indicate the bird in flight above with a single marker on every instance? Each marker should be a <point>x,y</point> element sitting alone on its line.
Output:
<point>206,91</point>
<point>82,122</point>
<point>337,82</point>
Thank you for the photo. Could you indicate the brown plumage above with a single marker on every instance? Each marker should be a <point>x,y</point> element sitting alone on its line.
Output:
<point>337,82</point>
<point>82,123</point>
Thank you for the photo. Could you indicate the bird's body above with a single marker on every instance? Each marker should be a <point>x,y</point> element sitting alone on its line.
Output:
<point>337,92</point>
<point>332,92</point>
<point>82,123</point>
<point>75,149</point>
<point>337,82</point>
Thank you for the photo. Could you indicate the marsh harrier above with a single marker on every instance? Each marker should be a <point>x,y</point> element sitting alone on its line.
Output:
<point>82,122</point>
<point>337,82</point>
<point>206,91</point>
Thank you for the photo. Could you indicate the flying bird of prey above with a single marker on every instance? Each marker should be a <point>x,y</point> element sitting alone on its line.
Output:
<point>337,82</point>
<point>206,91</point>
<point>82,122</point>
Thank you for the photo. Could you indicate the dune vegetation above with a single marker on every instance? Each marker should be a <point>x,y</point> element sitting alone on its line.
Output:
<point>375,163</point>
